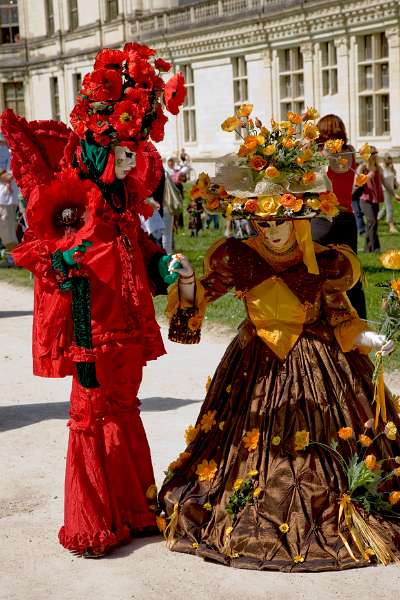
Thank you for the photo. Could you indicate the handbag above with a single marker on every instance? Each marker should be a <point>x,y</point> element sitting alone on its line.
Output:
<point>185,324</point>
<point>172,198</point>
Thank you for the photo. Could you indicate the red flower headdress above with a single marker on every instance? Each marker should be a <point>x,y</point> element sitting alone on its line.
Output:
<point>122,99</point>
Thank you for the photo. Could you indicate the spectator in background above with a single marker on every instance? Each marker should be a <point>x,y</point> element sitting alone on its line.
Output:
<point>342,229</point>
<point>389,178</point>
<point>9,199</point>
<point>171,168</point>
<point>372,197</point>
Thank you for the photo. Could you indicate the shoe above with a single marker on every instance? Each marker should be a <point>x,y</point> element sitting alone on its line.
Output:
<point>93,553</point>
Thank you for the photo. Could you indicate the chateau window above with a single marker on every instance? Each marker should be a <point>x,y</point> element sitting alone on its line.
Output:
<point>55,98</point>
<point>373,84</point>
<point>111,9</point>
<point>329,69</point>
<point>240,89</point>
<point>73,14</point>
<point>291,81</point>
<point>13,93</point>
<point>189,110</point>
<point>9,26</point>
<point>50,16</point>
<point>76,83</point>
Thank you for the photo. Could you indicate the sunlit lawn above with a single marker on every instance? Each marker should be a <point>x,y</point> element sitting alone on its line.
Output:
<point>228,311</point>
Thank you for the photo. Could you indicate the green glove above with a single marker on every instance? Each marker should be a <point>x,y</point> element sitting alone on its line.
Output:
<point>163,265</point>
<point>68,255</point>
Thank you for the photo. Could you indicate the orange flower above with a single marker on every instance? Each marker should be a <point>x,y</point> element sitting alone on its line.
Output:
<point>250,145</point>
<point>244,110</point>
<point>298,559</point>
<point>361,179</point>
<point>333,146</point>
<point>206,471</point>
<point>294,118</point>
<point>161,523</point>
<point>194,323</point>
<point>191,434</point>
<point>395,285</point>
<point>390,259</point>
<point>310,131</point>
<point>308,178</point>
<point>251,206</point>
<point>394,497</point>
<point>397,472</point>
<point>271,172</point>
<point>196,192</point>
<point>213,203</point>
<point>288,143</point>
<point>370,462</point>
<point>290,131</point>
<point>301,440</point>
<point>230,124</point>
<point>365,440</point>
<point>208,421</point>
<point>203,181</point>
<point>151,492</point>
<point>329,204</point>
<point>208,383</point>
<point>250,440</point>
<point>180,461</point>
<point>257,163</point>
<point>345,433</point>
<point>365,151</point>
<point>264,131</point>
<point>292,202</point>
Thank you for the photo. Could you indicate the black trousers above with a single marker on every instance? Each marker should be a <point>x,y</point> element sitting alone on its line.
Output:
<point>341,230</point>
<point>370,211</point>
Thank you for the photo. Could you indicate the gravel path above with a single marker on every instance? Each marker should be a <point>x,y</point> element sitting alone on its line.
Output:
<point>33,436</point>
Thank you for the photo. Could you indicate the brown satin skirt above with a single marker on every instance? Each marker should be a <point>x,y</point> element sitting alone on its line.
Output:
<point>317,388</point>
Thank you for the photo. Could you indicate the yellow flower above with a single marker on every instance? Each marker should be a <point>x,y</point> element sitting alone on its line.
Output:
<point>397,472</point>
<point>260,139</point>
<point>230,124</point>
<point>284,124</point>
<point>228,211</point>
<point>333,146</point>
<point>394,497</point>
<point>311,114</point>
<point>396,287</point>
<point>191,434</point>
<point>288,142</point>
<point>271,172</point>
<point>195,545</point>
<point>370,462</point>
<point>228,388</point>
<point>301,439</point>
<point>179,462</point>
<point>284,528</point>
<point>365,151</point>
<point>203,181</point>
<point>310,131</point>
<point>206,470</point>
<point>306,155</point>
<point>208,421</point>
<point>238,484</point>
<point>345,433</point>
<point>274,124</point>
<point>264,131</point>
<point>228,531</point>
<point>268,205</point>
<point>276,440</point>
<point>244,110</point>
<point>269,150</point>
<point>298,559</point>
<point>390,259</point>
<point>161,523</point>
<point>313,203</point>
<point>257,492</point>
<point>252,473</point>
<point>390,430</point>
<point>221,425</point>
<point>329,204</point>
<point>250,440</point>
<point>207,506</point>
<point>151,492</point>
<point>365,440</point>
<point>361,179</point>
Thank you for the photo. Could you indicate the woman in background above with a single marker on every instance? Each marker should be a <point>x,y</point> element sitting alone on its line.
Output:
<point>341,229</point>
<point>389,176</point>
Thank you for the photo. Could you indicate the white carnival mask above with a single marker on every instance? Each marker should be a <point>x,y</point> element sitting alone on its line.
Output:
<point>125,161</point>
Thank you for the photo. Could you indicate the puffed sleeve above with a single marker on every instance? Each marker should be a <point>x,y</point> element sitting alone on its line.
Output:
<point>217,280</point>
<point>341,269</point>
<point>36,256</point>
<point>152,253</point>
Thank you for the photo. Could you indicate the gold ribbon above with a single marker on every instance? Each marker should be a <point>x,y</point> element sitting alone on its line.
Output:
<point>169,531</point>
<point>379,392</point>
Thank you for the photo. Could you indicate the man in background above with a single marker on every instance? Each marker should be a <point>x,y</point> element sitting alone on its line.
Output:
<point>8,203</point>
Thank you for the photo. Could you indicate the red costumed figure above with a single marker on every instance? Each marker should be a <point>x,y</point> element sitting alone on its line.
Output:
<point>95,270</point>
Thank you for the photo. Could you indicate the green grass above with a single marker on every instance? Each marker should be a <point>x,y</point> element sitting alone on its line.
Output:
<point>228,311</point>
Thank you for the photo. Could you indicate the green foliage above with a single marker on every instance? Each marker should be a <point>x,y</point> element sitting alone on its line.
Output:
<point>359,476</point>
<point>240,498</point>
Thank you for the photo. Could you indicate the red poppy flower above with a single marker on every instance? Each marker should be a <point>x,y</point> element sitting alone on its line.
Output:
<point>102,140</point>
<point>78,118</point>
<point>97,123</point>
<point>65,211</point>
<point>127,119</point>
<point>102,85</point>
<point>109,59</point>
<point>142,51</point>
<point>140,70</point>
<point>174,93</point>
<point>158,125</point>
<point>162,65</point>
<point>139,97</point>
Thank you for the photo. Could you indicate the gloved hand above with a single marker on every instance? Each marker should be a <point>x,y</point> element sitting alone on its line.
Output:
<point>69,255</point>
<point>180,265</point>
<point>376,341</point>
<point>163,269</point>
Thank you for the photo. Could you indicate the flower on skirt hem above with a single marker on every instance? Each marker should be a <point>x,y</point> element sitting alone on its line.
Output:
<point>365,440</point>
<point>298,559</point>
<point>206,470</point>
<point>228,531</point>
<point>390,430</point>
<point>208,421</point>
<point>284,528</point>
<point>257,492</point>
<point>191,434</point>
<point>394,497</point>
<point>251,438</point>
<point>345,433</point>
<point>253,473</point>
<point>221,425</point>
<point>195,545</point>
<point>207,506</point>
<point>370,462</point>
<point>179,462</point>
<point>276,440</point>
<point>238,484</point>
<point>301,440</point>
